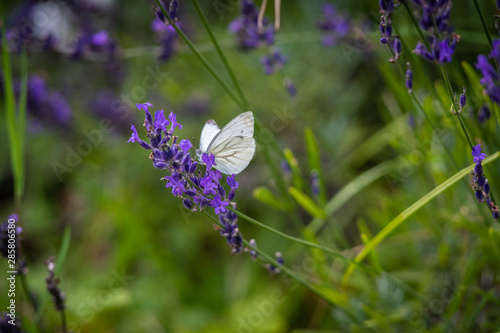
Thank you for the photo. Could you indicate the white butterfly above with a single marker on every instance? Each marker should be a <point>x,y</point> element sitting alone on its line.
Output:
<point>233,146</point>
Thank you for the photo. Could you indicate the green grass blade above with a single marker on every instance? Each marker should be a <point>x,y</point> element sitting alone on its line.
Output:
<point>10,113</point>
<point>314,159</point>
<point>351,189</point>
<point>391,226</point>
<point>307,203</point>
<point>63,251</point>
<point>264,195</point>
<point>294,165</point>
<point>220,53</point>
<point>21,121</point>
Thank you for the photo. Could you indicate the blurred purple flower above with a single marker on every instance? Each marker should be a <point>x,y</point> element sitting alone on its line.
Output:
<point>334,26</point>
<point>44,106</point>
<point>435,19</point>
<point>274,61</point>
<point>8,230</point>
<point>491,76</point>
<point>245,27</point>
<point>386,9</point>
<point>483,114</point>
<point>167,36</point>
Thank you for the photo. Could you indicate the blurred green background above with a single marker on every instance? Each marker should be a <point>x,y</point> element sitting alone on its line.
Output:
<point>139,262</point>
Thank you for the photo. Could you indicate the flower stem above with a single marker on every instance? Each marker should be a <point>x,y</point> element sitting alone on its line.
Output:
<point>450,90</point>
<point>483,24</point>
<point>415,23</point>
<point>220,53</point>
<point>294,239</point>
<point>203,60</point>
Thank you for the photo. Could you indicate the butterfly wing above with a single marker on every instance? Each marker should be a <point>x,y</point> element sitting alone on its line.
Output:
<point>210,130</point>
<point>234,145</point>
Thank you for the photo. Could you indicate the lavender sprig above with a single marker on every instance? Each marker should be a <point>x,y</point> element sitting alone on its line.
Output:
<point>480,183</point>
<point>197,190</point>
<point>435,19</point>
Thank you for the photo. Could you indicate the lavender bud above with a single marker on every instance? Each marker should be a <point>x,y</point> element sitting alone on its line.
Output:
<point>486,187</point>
<point>463,99</point>
<point>187,203</point>
<point>409,79</point>
<point>231,195</point>
<point>221,190</point>
<point>479,195</point>
<point>397,47</point>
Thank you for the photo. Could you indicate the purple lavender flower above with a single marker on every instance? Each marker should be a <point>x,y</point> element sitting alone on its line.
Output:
<point>386,9</point>
<point>45,107</point>
<point>230,230</point>
<point>483,114</point>
<point>273,269</point>
<point>314,182</point>
<point>491,76</point>
<point>167,36</point>
<point>333,25</point>
<point>196,190</point>
<point>52,282</point>
<point>8,230</point>
<point>290,87</point>
<point>218,204</point>
<point>463,99</point>
<point>245,27</point>
<point>480,184</point>
<point>101,42</point>
<point>409,78</point>
<point>274,61</point>
<point>476,153</point>
<point>6,323</point>
<point>435,18</point>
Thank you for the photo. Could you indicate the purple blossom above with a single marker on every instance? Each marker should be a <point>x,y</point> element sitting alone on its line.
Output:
<point>334,26</point>
<point>478,156</point>
<point>290,87</point>
<point>185,145</point>
<point>167,37</point>
<point>219,204</point>
<point>8,228</point>
<point>386,9</point>
<point>480,184</point>
<point>409,79</point>
<point>483,114</point>
<point>434,18</point>
<point>273,269</point>
<point>173,119</point>
<point>274,61</point>
<point>490,75</point>
<point>245,27</point>
<point>230,180</point>
<point>45,107</point>
<point>209,160</point>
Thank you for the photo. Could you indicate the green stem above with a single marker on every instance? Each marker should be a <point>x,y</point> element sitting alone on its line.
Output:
<point>455,108</point>
<point>220,53</point>
<point>203,60</point>
<point>273,261</point>
<point>420,106</point>
<point>483,24</point>
<point>415,23</point>
<point>63,321</point>
<point>294,239</point>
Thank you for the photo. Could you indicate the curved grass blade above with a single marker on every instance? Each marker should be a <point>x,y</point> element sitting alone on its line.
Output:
<point>391,226</point>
